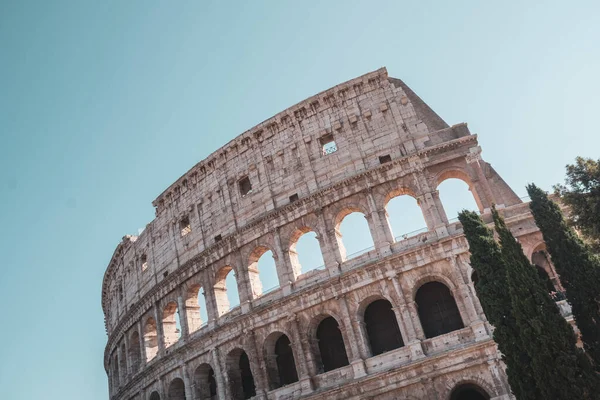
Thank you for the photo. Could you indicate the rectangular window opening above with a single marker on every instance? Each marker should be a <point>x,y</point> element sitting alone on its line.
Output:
<point>218,238</point>
<point>144,262</point>
<point>328,144</point>
<point>293,197</point>
<point>385,159</point>
<point>184,226</point>
<point>245,186</point>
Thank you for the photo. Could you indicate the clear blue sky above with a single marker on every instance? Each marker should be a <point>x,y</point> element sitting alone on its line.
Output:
<point>104,104</point>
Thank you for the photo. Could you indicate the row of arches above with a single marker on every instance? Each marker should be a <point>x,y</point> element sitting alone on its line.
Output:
<point>438,314</point>
<point>205,386</point>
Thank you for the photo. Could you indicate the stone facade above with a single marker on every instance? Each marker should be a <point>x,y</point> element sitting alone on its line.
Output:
<point>349,149</point>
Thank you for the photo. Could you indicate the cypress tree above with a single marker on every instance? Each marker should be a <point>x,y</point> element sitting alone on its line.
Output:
<point>578,267</point>
<point>492,291</point>
<point>560,369</point>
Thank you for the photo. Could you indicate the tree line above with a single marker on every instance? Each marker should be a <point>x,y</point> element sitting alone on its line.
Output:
<point>538,346</point>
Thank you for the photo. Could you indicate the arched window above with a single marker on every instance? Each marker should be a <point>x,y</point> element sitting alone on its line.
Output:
<point>242,381</point>
<point>226,290</point>
<point>469,391</point>
<point>437,310</point>
<point>331,345</point>
<point>205,383</point>
<point>542,264</point>
<point>171,329</point>
<point>382,327</point>
<point>177,390</point>
<point>195,307</point>
<point>354,236</point>
<point>150,339</point>
<point>135,352</point>
<point>155,396</point>
<point>263,271</point>
<point>405,217</point>
<point>456,195</point>
<point>279,356</point>
<point>305,252</point>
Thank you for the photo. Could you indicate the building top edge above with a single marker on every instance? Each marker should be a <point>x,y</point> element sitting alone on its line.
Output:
<point>266,124</point>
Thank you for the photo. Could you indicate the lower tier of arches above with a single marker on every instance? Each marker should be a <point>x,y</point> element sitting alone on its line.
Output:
<point>470,373</point>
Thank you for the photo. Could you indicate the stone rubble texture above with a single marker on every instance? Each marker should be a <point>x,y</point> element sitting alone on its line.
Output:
<point>159,272</point>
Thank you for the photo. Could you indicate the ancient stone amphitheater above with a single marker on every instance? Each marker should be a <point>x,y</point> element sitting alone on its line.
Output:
<point>400,321</point>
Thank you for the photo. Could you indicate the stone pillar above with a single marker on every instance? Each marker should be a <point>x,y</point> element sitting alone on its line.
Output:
<point>143,355</point>
<point>160,336</point>
<point>299,346</point>
<point>284,265</point>
<point>474,160</point>
<point>210,300</point>
<point>332,254</point>
<point>183,321</point>
<point>380,228</point>
<point>220,375</point>
<point>358,364</point>
<point>189,390</point>
<point>128,365</point>
<point>256,364</point>
<point>243,283</point>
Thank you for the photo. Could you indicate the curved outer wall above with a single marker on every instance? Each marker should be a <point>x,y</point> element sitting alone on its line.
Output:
<point>204,226</point>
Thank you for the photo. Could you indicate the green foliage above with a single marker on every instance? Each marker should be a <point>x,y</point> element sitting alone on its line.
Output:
<point>560,369</point>
<point>581,192</point>
<point>578,267</point>
<point>492,290</point>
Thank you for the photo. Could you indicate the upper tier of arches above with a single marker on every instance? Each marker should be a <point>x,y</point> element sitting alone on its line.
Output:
<point>278,170</point>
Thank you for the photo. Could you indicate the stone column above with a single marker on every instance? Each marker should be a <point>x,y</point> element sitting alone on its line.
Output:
<point>256,364</point>
<point>474,160</point>
<point>220,375</point>
<point>332,254</point>
<point>210,300</point>
<point>128,366</point>
<point>160,336</point>
<point>243,283</point>
<point>143,355</point>
<point>300,356</point>
<point>380,228</point>
<point>358,364</point>
<point>405,322</point>
<point>284,265</point>
<point>183,321</point>
<point>189,390</point>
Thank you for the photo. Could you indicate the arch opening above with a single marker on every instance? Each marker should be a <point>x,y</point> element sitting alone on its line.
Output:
<point>177,389</point>
<point>150,339</point>
<point>438,311</point>
<point>279,356</point>
<point>240,373</point>
<point>469,391</point>
<point>456,193</point>
<point>205,382</point>
<point>263,271</point>
<point>226,290</point>
<point>382,327</point>
<point>541,262</point>
<point>171,326</point>
<point>405,217</point>
<point>354,235</point>
<point>135,352</point>
<point>195,307</point>
<point>332,350</point>
<point>305,253</point>
<point>155,396</point>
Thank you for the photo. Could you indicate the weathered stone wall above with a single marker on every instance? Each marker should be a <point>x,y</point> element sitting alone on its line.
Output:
<point>159,272</point>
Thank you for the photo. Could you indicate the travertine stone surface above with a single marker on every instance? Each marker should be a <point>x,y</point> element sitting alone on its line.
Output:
<point>208,222</point>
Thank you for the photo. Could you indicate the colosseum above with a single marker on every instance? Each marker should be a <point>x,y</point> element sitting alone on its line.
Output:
<point>398,321</point>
